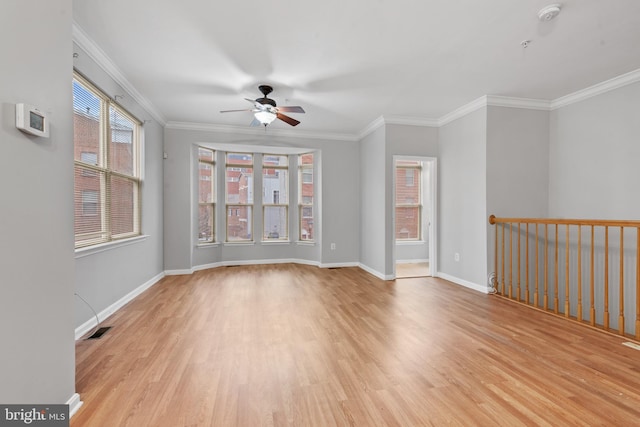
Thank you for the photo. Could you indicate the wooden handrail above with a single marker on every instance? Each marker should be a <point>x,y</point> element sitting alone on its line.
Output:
<point>563,221</point>
<point>603,307</point>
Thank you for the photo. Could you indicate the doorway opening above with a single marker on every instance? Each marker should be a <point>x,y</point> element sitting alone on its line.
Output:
<point>414,215</point>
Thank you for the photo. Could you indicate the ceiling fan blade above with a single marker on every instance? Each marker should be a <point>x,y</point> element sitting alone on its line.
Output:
<point>255,122</point>
<point>287,119</point>
<point>233,111</point>
<point>291,109</point>
<point>256,104</point>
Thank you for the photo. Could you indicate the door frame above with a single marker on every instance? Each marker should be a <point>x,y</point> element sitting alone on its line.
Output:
<point>432,226</point>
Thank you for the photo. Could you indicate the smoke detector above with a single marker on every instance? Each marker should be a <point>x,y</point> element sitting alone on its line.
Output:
<point>547,13</point>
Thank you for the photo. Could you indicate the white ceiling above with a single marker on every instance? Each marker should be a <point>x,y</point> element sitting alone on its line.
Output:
<point>349,62</point>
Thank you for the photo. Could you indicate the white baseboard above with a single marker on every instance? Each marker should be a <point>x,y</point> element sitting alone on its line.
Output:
<point>104,314</point>
<point>339,264</point>
<point>462,282</point>
<point>74,403</point>
<point>178,272</point>
<point>276,261</point>
<point>250,262</point>
<point>411,261</point>
<point>376,272</point>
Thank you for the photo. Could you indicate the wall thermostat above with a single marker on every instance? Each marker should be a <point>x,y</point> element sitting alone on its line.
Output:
<point>31,120</point>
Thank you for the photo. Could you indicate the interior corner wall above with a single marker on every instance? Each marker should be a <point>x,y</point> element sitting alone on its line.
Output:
<point>403,140</point>
<point>462,196</point>
<point>593,157</point>
<point>373,247</point>
<point>517,166</point>
<point>104,278</point>
<point>37,361</point>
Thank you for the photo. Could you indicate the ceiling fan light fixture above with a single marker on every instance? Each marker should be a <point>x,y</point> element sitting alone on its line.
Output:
<point>265,117</point>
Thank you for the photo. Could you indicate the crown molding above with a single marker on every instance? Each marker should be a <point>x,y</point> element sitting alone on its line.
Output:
<point>396,120</point>
<point>255,131</point>
<point>410,121</point>
<point>528,103</point>
<point>597,89</point>
<point>371,127</point>
<point>463,111</point>
<point>102,59</point>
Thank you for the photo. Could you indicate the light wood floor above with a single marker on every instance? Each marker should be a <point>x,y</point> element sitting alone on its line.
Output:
<point>412,269</point>
<point>301,346</point>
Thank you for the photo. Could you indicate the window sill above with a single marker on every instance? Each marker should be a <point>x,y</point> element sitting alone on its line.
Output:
<point>410,242</point>
<point>275,242</point>
<point>91,250</point>
<point>303,243</point>
<point>207,245</point>
<point>240,243</point>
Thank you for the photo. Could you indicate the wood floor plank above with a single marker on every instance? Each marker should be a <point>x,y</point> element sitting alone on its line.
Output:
<point>295,345</point>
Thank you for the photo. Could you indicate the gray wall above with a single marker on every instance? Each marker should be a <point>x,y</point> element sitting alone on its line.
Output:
<point>105,277</point>
<point>37,361</point>
<point>338,208</point>
<point>594,156</point>
<point>517,166</point>
<point>463,198</point>
<point>372,201</point>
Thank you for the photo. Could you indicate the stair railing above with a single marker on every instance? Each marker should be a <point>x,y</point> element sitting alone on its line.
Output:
<point>565,266</point>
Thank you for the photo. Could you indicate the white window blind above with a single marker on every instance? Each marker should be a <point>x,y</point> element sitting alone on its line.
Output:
<point>107,167</point>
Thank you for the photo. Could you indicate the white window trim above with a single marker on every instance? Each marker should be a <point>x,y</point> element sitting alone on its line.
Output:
<point>107,246</point>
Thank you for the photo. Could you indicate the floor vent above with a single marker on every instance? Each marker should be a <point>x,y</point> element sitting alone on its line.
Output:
<point>99,333</point>
<point>632,345</point>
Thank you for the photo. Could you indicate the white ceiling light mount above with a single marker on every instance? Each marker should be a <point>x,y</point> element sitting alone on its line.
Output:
<point>549,12</point>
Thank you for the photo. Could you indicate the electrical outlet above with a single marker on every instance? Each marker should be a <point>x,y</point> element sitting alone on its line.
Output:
<point>333,246</point>
<point>456,256</point>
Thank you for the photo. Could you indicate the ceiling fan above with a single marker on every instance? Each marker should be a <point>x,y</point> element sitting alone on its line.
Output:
<point>266,111</point>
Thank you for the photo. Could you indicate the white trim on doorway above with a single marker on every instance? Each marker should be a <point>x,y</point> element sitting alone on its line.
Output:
<point>431,226</point>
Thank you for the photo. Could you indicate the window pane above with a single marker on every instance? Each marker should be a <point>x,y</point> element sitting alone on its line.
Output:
<point>306,159</point>
<point>274,186</point>
<point>409,177</point>
<point>408,223</point>
<point>239,185</point>
<point>305,196</point>
<point>239,220</point>
<point>86,124</point>
<point>275,222</point>
<point>90,202</point>
<point>275,160</point>
<point>306,223</point>
<point>205,184</point>
<point>121,148</point>
<point>123,194</point>
<point>205,223</point>
<point>89,158</point>
<point>242,159</point>
<point>205,154</point>
<point>406,191</point>
<point>89,205</point>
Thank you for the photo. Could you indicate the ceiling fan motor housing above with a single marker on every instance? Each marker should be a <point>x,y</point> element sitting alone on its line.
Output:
<point>266,100</point>
<point>266,90</point>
